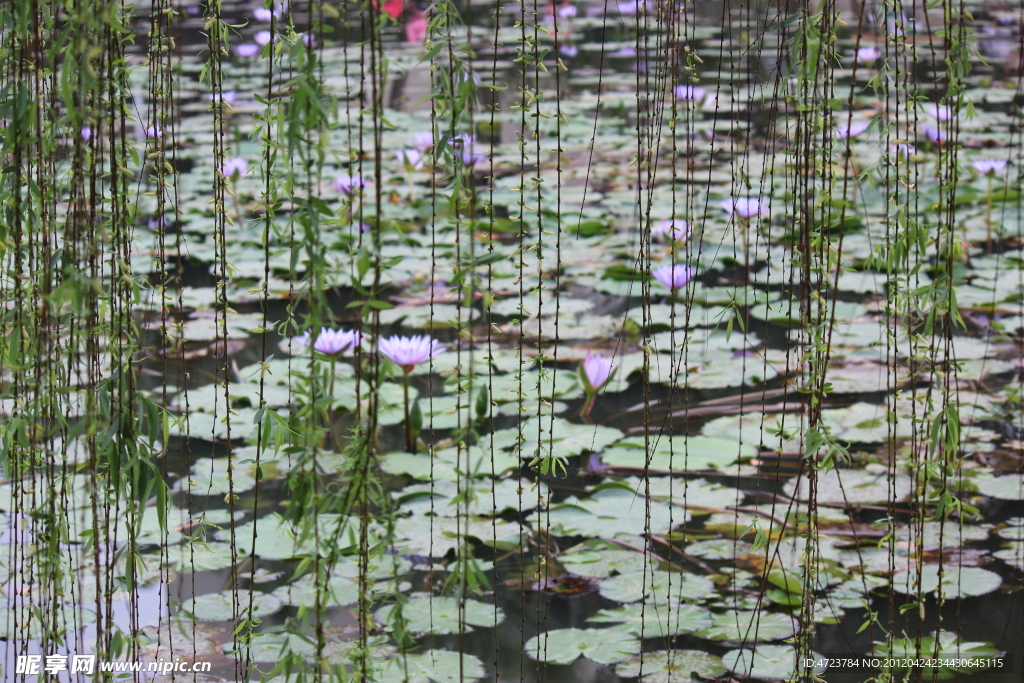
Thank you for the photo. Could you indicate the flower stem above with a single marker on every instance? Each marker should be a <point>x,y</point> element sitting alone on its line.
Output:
<point>588,406</point>
<point>988,218</point>
<point>330,398</point>
<point>409,444</point>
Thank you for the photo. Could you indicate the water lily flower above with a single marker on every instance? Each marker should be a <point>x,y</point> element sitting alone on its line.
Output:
<point>247,50</point>
<point>595,371</point>
<point>566,10</point>
<point>309,40</point>
<point>940,112</point>
<point>423,140</point>
<point>936,135</point>
<point>350,185</point>
<point>989,166</point>
<point>262,37</point>
<point>416,26</point>
<point>903,149</point>
<point>154,132</point>
<point>743,206</point>
<point>630,7</point>
<point>469,158</point>
<point>85,133</point>
<point>332,342</point>
<point>852,130</point>
<point>407,352</point>
<point>625,51</point>
<point>158,223</point>
<point>234,167</point>
<point>226,97</point>
<point>264,14</point>
<point>411,157</point>
<point>568,50</point>
<point>673,276</point>
<point>465,142</point>
<point>868,55</point>
<point>674,230</point>
<point>689,93</point>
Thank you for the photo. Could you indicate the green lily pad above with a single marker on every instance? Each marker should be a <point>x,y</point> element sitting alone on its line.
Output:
<point>433,666</point>
<point>565,646</point>
<point>1005,488</point>
<point>956,582</point>
<point>219,606</point>
<point>671,666</point>
<point>429,614</point>
<point>750,626</point>
<point>655,621</point>
<point>769,662</point>
<point>657,587</point>
<point>604,563</point>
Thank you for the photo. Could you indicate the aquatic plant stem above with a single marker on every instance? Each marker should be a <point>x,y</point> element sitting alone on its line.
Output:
<point>330,398</point>
<point>409,444</point>
<point>988,216</point>
<point>588,406</point>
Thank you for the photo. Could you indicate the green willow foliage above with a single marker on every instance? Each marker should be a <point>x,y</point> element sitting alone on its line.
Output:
<point>99,422</point>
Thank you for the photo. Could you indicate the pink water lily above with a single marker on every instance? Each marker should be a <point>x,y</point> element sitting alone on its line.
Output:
<point>743,207</point>
<point>940,112</point>
<point>332,342</point>
<point>262,37</point>
<point>868,55</point>
<point>411,157</point>
<point>264,14</point>
<point>226,97</point>
<point>350,185</point>
<point>852,130</point>
<point>423,140</point>
<point>565,11</point>
<point>690,93</point>
<point>596,371</point>
<point>673,276</point>
<point>674,230</point>
<point>235,167</point>
<point>247,50</point>
<point>989,166</point>
<point>407,352</point>
<point>936,135</point>
<point>903,149</point>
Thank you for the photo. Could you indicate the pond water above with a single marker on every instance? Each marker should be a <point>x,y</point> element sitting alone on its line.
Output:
<point>789,269</point>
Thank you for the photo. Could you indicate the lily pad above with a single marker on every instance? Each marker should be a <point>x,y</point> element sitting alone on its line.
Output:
<point>750,626</point>
<point>429,614</point>
<point>221,606</point>
<point>657,587</point>
<point>770,662</point>
<point>671,666</point>
<point>565,646</point>
<point>956,582</point>
<point>655,621</point>
<point>433,666</point>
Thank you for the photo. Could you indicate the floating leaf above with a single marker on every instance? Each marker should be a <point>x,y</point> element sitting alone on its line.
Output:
<point>956,582</point>
<point>656,587</point>
<point>225,606</point>
<point>565,646</point>
<point>750,626</point>
<point>655,621</point>
<point>673,666</point>
<point>432,666</point>
<point>770,662</point>
<point>429,614</point>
